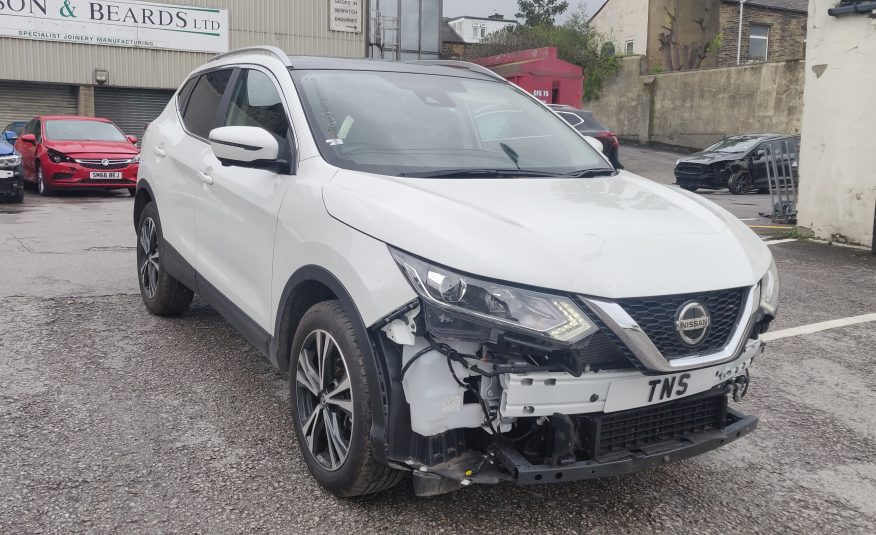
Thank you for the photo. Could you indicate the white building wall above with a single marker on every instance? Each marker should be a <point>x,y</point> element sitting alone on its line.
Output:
<point>837,156</point>
<point>624,20</point>
<point>465,26</point>
<point>296,26</point>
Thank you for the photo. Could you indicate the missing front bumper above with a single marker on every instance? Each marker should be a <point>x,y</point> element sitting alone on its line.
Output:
<point>525,473</point>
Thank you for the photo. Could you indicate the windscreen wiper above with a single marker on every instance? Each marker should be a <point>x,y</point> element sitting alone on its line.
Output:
<point>592,173</point>
<point>479,173</point>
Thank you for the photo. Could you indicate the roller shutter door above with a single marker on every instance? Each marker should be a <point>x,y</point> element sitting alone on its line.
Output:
<point>22,101</point>
<point>130,109</point>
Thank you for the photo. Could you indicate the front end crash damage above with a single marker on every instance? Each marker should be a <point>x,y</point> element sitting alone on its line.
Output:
<point>469,402</point>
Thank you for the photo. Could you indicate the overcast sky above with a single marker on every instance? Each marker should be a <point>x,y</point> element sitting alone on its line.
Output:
<point>484,8</point>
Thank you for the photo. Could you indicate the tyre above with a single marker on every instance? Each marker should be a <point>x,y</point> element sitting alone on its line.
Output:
<point>739,183</point>
<point>161,293</point>
<point>690,188</point>
<point>331,404</point>
<point>132,191</point>
<point>44,189</point>
<point>19,197</point>
<point>763,190</point>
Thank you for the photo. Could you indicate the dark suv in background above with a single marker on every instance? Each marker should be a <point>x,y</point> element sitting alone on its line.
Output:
<point>584,122</point>
<point>737,163</point>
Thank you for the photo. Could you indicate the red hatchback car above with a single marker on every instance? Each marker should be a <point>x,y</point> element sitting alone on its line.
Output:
<point>66,152</point>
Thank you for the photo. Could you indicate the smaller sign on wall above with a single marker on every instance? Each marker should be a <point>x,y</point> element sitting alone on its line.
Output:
<point>345,16</point>
<point>117,23</point>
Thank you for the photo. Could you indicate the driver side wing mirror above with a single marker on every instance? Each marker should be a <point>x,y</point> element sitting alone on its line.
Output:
<point>28,138</point>
<point>10,136</point>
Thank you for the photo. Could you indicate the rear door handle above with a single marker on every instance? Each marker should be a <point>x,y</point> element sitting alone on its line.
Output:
<point>161,153</point>
<point>205,177</point>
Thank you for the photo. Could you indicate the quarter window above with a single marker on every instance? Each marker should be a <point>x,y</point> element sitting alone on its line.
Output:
<point>758,42</point>
<point>257,103</point>
<point>200,114</point>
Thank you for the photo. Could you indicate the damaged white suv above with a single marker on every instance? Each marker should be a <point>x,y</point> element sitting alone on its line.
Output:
<point>458,284</point>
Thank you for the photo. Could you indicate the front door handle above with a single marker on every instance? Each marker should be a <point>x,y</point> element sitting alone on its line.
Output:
<point>161,153</point>
<point>205,177</point>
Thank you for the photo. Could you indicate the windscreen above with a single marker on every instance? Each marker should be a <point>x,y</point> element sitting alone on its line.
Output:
<point>407,124</point>
<point>73,130</point>
<point>735,144</point>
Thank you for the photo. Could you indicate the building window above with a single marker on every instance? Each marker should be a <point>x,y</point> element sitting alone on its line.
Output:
<point>629,48</point>
<point>758,42</point>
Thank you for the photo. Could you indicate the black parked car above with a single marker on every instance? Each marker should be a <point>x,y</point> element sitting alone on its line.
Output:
<point>737,163</point>
<point>584,122</point>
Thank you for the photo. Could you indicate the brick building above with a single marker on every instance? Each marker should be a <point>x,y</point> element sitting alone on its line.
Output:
<point>772,30</point>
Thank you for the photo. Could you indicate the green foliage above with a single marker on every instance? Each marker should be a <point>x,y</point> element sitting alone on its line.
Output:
<point>576,43</point>
<point>657,70</point>
<point>540,12</point>
<point>715,44</point>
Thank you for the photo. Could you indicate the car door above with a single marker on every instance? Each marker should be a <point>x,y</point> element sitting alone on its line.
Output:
<point>758,168</point>
<point>182,153</point>
<point>238,207</point>
<point>28,150</point>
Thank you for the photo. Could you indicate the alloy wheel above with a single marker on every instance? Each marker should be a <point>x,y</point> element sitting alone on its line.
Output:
<point>324,397</point>
<point>41,186</point>
<point>148,257</point>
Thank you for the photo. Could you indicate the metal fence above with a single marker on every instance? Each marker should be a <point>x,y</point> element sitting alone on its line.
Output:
<point>783,175</point>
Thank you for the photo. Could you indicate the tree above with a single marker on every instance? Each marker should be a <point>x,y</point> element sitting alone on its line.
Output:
<point>679,55</point>
<point>540,12</point>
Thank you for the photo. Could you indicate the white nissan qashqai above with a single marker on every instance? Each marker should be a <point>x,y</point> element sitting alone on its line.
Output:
<point>457,282</point>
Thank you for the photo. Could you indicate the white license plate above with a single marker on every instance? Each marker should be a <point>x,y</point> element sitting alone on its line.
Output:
<point>104,175</point>
<point>6,174</point>
<point>650,390</point>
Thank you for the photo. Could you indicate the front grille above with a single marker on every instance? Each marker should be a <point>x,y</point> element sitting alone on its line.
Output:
<point>97,164</point>
<point>691,170</point>
<point>601,352</point>
<point>656,316</point>
<point>637,428</point>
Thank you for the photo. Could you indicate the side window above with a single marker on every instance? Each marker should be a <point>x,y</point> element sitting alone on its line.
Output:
<point>573,119</point>
<point>38,131</point>
<point>200,113</point>
<point>256,102</point>
<point>28,128</point>
<point>185,93</point>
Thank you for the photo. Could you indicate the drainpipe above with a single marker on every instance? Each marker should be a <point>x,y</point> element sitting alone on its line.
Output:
<point>739,38</point>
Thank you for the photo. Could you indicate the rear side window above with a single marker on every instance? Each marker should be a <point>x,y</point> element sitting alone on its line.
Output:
<point>201,111</point>
<point>573,119</point>
<point>185,93</point>
<point>588,122</point>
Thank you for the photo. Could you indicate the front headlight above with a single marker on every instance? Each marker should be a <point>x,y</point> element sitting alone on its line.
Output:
<point>533,312</point>
<point>769,290</point>
<point>135,159</point>
<point>58,157</point>
<point>13,160</point>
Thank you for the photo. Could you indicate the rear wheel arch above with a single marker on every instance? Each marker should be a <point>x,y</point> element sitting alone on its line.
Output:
<point>143,197</point>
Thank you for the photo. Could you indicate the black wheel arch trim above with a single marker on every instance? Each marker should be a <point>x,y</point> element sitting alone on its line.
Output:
<point>281,344</point>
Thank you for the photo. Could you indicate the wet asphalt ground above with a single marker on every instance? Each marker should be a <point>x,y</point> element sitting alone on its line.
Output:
<point>116,421</point>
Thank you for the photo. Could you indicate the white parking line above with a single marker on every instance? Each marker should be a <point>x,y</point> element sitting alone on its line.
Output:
<point>816,327</point>
<point>776,242</point>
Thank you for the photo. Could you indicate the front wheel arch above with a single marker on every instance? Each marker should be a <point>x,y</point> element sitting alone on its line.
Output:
<point>313,284</point>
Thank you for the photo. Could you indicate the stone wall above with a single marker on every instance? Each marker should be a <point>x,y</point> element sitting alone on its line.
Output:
<point>696,108</point>
<point>787,35</point>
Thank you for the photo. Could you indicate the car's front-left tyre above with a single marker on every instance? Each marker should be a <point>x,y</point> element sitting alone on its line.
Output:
<point>162,294</point>
<point>331,404</point>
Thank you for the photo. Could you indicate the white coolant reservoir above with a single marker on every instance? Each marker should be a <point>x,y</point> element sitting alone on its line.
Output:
<point>435,398</point>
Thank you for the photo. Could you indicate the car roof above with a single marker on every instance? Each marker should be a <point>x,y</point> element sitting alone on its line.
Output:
<point>458,69</point>
<point>71,117</point>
